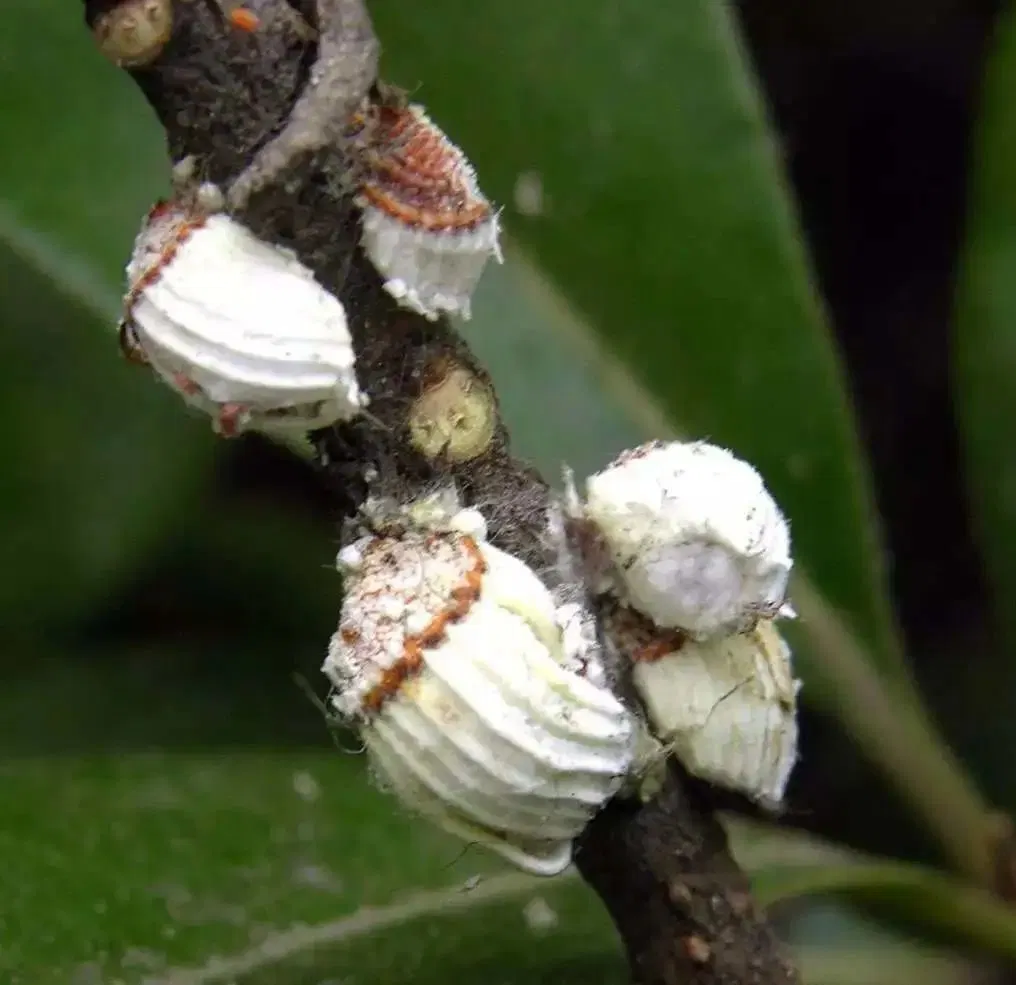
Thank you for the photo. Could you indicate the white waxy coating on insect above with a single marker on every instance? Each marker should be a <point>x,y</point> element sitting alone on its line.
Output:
<point>430,272</point>
<point>697,541</point>
<point>491,736</point>
<point>581,646</point>
<point>539,857</point>
<point>728,710</point>
<point>243,322</point>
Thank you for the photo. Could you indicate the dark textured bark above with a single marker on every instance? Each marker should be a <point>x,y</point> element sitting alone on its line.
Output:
<point>681,904</point>
<point>663,869</point>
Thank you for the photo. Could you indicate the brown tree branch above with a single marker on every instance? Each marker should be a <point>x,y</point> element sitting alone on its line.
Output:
<point>226,96</point>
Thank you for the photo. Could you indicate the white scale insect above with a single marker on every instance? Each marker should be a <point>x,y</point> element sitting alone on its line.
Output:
<point>239,327</point>
<point>450,659</point>
<point>696,541</point>
<point>726,707</point>
<point>427,227</point>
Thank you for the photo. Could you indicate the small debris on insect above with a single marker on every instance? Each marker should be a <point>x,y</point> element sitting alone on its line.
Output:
<point>582,651</point>
<point>449,659</point>
<point>727,708</point>
<point>240,328</point>
<point>427,227</point>
<point>695,540</point>
<point>133,33</point>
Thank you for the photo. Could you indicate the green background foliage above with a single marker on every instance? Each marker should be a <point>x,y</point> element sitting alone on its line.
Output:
<point>174,809</point>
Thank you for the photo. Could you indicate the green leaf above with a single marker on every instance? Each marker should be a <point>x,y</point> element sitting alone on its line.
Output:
<point>138,863</point>
<point>789,865</point>
<point>91,155</point>
<point>985,339</point>
<point>899,963</point>
<point>664,221</point>
<point>224,829</point>
<point>527,341</point>
<point>212,858</point>
<point>97,460</point>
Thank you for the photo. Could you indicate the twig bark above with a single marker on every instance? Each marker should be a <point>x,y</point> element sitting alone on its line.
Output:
<point>663,868</point>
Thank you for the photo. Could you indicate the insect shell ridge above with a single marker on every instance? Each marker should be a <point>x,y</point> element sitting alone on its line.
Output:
<point>483,760</point>
<point>727,708</point>
<point>548,857</point>
<point>222,371</point>
<point>698,543</point>
<point>479,718</point>
<point>212,384</point>
<point>520,590</point>
<point>426,226</point>
<point>236,280</point>
<point>530,710</point>
<point>465,786</point>
<point>226,319</point>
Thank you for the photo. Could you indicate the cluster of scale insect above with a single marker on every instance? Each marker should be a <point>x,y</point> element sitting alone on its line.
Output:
<point>238,327</point>
<point>691,555</point>
<point>726,707</point>
<point>483,705</point>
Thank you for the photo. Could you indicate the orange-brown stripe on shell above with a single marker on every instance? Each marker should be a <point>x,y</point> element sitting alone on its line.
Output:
<point>417,176</point>
<point>411,661</point>
<point>416,153</point>
<point>641,640</point>
<point>151,275</point>
<point>130,348</point>
<point>162,207</point>
<point>658,649</point>
<point>186,228</point>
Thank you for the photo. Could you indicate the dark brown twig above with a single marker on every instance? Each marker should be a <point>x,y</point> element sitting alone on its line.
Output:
<point>240,103</point>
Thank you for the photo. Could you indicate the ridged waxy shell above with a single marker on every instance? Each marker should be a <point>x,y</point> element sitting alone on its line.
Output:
<point>427,228</point>
<point>239,327</point>
<point>697,542</point>
<point>726,707</point>
<point>450,658</point>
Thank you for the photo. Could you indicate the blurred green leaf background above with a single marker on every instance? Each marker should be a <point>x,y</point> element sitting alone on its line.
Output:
<point>746,223</point>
